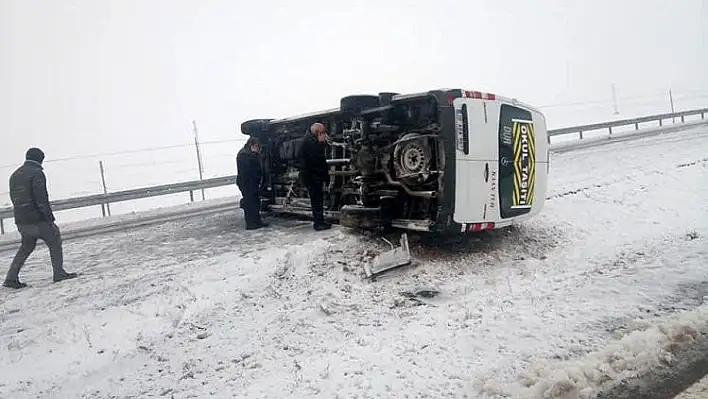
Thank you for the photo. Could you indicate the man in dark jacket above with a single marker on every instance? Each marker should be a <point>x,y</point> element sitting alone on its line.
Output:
<point>34,218</point>
<point>248,179</point>
<point>314,171</point>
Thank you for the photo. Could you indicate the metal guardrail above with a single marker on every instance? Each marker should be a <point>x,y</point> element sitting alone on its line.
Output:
<point>104,200</point>
<point>626,122</point>
<point>129,195</point>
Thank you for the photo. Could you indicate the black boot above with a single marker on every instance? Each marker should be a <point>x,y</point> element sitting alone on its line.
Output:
<point>64,276</point>
<point>320,226</point>
<point>16,284</point>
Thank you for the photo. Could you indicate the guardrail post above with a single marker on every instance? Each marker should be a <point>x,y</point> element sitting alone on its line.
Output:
<point>2,226</point>
<point>107,206</point>
<point>683,119</point>
<point>703,115</point>
<point>581,134</point>
<point>610,130</point>
<point>200,164</point>
<point>661,122</point>
<point>636,126</point>
<point>191,196</point>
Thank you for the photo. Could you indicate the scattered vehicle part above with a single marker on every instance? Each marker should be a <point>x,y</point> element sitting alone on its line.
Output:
<point>395,257</point>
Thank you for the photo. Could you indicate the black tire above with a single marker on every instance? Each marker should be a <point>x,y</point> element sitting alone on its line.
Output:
<point>255,127</point>
<point>356,104</point>
<point>385,98</point>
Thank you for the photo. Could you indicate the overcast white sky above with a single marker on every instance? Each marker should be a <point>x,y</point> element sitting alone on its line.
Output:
<point>90,76</point>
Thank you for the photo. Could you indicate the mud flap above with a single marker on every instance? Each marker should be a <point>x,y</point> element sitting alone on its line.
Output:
<point>392,259</point>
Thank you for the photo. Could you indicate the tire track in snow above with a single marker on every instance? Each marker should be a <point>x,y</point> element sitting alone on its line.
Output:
<point>618,180</point>
<point>694,163</point>
<point>636,263</point>
<point>586,189</point>
<point>635,159</point>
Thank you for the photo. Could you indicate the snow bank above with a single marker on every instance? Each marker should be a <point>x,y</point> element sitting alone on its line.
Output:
<point>627,358</point>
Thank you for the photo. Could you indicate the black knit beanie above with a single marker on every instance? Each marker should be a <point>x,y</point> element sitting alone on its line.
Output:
<point>35,154</point>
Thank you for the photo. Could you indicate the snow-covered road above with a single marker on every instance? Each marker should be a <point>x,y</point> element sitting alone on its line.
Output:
<point>200,308</point>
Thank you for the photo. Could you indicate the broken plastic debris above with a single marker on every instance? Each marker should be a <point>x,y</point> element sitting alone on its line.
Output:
<point>392,259</point>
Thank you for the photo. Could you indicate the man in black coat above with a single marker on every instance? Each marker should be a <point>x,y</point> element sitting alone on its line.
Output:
<point>314,171</point>
<point>34,218</point>
<point>248,180</point>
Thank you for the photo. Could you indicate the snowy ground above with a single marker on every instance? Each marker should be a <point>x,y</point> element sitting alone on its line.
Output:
<point>200,308</point>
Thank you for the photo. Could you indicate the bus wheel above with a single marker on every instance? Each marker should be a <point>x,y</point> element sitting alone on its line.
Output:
<point>385,98</point>
<point>255,127</point>
<point>356,104</point>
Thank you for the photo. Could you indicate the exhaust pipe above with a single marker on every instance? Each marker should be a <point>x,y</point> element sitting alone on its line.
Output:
<point>339,161</point>
<point>422,194</point>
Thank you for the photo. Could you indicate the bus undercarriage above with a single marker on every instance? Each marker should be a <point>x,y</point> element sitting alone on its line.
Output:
<point>386,158</point>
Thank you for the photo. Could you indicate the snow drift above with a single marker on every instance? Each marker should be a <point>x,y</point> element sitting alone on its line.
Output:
<point>630,357</point>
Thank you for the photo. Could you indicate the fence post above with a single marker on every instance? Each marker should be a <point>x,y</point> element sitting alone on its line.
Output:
<point>673,111</point>
<point>104,207</point>
<point>581,134</point>
<point>661,122</point>
<point>200,164</point>
<point>683,119</point>
<point>610,130</point>
<point>636,126</point>
<point>191,196</point>
<point>2,226</point>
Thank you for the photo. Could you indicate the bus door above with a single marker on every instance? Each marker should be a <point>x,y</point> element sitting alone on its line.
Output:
<point>476,160</point>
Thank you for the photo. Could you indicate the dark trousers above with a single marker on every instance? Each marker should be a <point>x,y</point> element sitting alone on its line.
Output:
<point>316,200</point>
<point>50,234</point>
<point>251,206</point>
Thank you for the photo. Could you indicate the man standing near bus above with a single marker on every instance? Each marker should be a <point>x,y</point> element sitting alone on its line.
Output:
<point>248,180</point>
<point>34,219</point>
<point>314,171</point>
